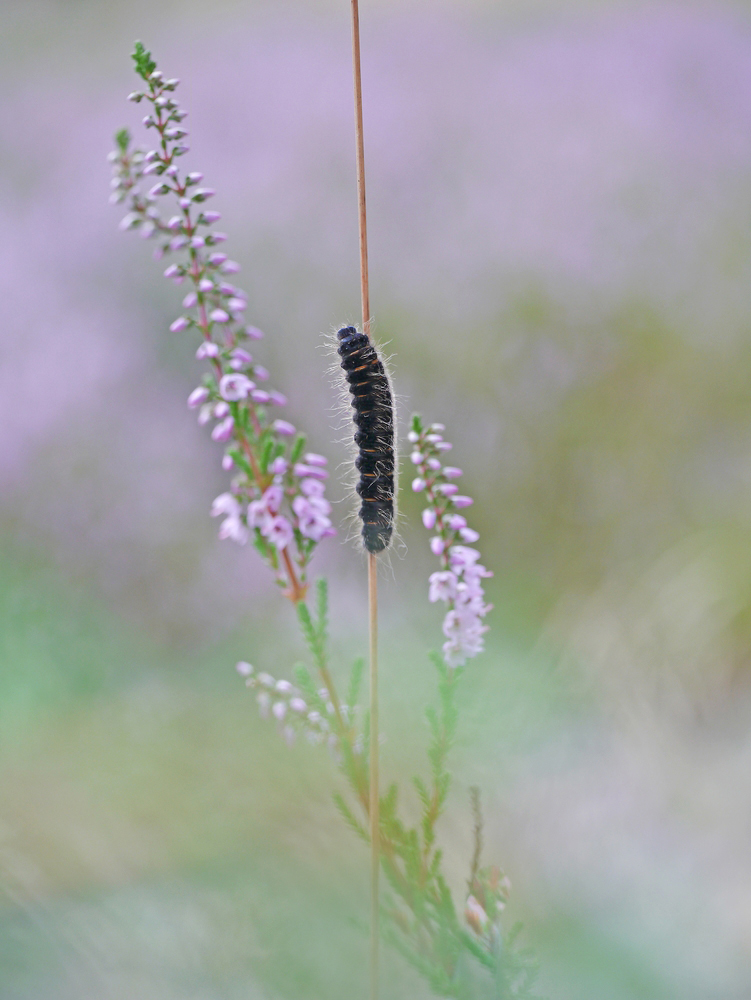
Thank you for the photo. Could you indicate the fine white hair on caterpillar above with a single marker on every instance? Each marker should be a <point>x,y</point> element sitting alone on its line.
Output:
<point>373,403</point>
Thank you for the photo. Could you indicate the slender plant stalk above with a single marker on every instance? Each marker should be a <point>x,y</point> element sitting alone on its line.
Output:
<point>364,288</point>
<point>375,838</point>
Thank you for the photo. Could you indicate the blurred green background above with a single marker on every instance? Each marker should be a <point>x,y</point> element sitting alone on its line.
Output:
<point>560,221</point>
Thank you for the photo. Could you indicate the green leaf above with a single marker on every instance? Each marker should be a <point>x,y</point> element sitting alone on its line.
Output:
<point>297,448</point>
<point>355,681</point>
<point>350,819</point>
<point>322,607</point>
<point>145,65</point>
<point>122,139</point>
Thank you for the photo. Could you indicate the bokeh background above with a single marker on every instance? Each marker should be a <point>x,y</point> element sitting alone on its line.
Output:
<point>560,221</point>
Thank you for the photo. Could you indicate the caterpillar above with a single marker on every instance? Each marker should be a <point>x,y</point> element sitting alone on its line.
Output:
<point>373,404</point>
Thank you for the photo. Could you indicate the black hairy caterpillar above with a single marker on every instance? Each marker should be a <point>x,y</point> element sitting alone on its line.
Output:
<point>373,404</point>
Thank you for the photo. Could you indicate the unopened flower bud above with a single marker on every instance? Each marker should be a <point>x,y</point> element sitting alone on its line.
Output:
<point>198,397</point>
<point>180,324</point>
<point>284,428</point>
<point>207,350</point>
<point>429,518</point>
<point>244,669</point>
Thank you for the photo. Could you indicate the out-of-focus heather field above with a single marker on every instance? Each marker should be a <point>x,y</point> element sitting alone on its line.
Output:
<point>560,199</point>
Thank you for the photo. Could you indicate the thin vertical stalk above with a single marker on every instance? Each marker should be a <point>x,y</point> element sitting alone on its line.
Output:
<point>375,836</point>
<point>363,223</point>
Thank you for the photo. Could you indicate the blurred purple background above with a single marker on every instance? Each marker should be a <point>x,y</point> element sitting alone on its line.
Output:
<point>559,211</point>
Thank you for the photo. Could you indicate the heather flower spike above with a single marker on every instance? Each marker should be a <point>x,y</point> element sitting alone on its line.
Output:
<point>262,449</point>
<point>458,583</point>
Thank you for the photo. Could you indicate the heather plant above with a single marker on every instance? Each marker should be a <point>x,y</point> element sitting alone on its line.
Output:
<point>276,501</point>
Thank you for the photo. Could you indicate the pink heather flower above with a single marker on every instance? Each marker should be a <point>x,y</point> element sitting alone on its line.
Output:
<point>436,545</point>
<point>462,557</point>
<point>207,350</point>
<point>224,430</point>
<point>221,409</point>
<point>311,458</point>
<point>416,458</point>
<point>469,535</point>
<point>310,471</point>
<point>211,217</point>
<point>284,687</point>
<point>244,669</point>
<point>443,446</point>
<point>251,331</point>
<point>418,485</point>
<point>429,518</point>
<point>260,395</point>
<point>233,528</point>
<point>190,300</point>
<point>456,522</point>
<point>260,373</point>
<point>460,501</point>
<point>312,516</point>
<point>235,387</point>
<point>284,428</point>
<point>228,463</point>
<point>279,709</point>
<point>278,531</point>
<point>180,324</point>
<point>442,586</point>
<point>225,503</point>
<point>273,497</point>
<point>451,472</point>
<point>198,396</point>
<point>433,464</point>
<point>242,356</point>
<point>205,285</point>
<point>312,488</point>
<point>279,466</point>
<point>217,258</point>
<point>277,397</point>
<point>236,305</point>
<point>413,437</point>
<point>205,414</point>
<point>219,316</point>
<point>298,705</point>
<point>463,633</point>
<point>447,489</point>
